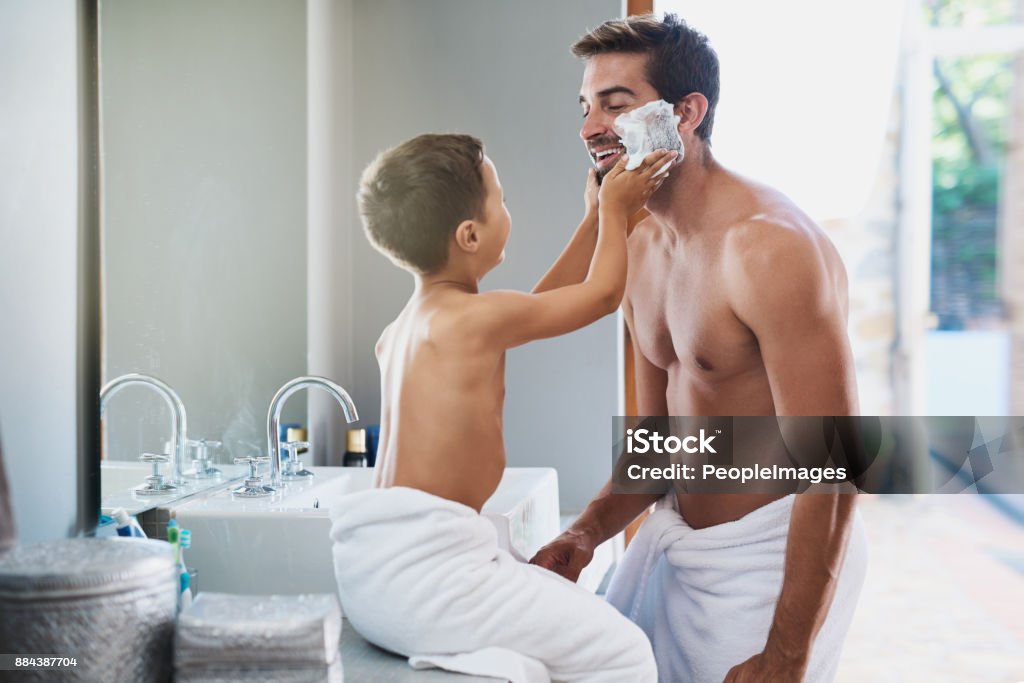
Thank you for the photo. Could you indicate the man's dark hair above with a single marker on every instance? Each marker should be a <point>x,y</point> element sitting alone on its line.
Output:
<point>680,59</point>
<point>413,196</point>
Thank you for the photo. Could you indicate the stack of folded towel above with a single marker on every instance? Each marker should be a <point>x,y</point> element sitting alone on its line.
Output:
<point>223,638</point>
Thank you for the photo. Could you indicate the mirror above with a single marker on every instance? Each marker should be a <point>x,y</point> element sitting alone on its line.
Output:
<point>203,149</point>
<point>233,136</point>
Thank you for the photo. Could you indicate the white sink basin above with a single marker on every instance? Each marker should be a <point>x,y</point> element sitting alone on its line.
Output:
<point>280,544</point>
<point>119,475</point>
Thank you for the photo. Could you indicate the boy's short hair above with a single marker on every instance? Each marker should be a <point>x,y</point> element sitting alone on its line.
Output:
<point>413,196</point>
<point>680,60</point>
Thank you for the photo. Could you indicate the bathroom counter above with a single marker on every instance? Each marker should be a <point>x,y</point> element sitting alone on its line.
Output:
<point>366,663</point>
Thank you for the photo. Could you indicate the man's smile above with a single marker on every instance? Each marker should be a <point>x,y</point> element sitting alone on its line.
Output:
<point>605,153</point>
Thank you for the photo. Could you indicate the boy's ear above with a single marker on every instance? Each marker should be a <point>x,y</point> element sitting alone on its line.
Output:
<point>466,237</point>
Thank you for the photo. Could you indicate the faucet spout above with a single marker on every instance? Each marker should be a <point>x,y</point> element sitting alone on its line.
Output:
<point>277,404</point>
<point>174,402</point>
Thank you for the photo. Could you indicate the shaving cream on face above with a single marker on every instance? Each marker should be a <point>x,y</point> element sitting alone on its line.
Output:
<point>648,128</point>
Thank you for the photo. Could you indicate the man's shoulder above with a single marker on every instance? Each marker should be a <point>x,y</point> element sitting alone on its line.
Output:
<point>772,230</point>
<point>780,252</point>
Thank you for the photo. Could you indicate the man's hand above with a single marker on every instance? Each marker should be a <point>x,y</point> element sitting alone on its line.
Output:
<point>566,556</point>
<point>768,667</point>
<point>628,191</point>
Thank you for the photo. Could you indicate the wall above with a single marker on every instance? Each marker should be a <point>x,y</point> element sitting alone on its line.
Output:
<point>204,189</point>
<point>331,198</point>
<point>501,71</point>
<point>39,206</point>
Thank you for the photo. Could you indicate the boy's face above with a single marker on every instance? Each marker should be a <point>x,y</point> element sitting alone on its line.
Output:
<point>613,84</point>
<point>496,223</point>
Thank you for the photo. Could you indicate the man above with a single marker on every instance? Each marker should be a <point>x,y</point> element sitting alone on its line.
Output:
<point>736,304</point>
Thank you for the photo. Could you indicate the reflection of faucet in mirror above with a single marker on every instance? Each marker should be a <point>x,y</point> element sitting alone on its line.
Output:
<point>178,420</point>
<point>274,416</point>
<point>201,466</point>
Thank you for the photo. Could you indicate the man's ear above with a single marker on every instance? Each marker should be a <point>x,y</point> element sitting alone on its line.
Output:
<point>691,111</point>
<point>466,237</point>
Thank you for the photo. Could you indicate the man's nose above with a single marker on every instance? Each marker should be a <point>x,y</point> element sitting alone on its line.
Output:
<point>595,125</point>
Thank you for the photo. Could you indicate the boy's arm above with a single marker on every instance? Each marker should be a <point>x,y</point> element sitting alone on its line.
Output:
<point>572,264</point>
<point>574,261</point>
<point>513,318</point>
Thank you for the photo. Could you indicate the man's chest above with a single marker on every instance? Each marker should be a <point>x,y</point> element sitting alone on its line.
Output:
<point>682,314</point>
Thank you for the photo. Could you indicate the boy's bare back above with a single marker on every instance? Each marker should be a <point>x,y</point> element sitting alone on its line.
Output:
<point>443,391</point>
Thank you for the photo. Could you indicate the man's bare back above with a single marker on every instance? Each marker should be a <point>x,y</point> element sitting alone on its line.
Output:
<point>679,306</point>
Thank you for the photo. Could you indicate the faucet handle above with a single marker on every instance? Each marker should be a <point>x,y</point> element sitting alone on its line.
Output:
<point>253,486</point>
<point>253,461</point>
<point>293,447</point>
<point>202,444</point>
<point>293,468</point>
<point>155,483</point>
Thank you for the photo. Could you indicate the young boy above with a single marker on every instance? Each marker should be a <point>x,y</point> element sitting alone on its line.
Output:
<point>418,568</point>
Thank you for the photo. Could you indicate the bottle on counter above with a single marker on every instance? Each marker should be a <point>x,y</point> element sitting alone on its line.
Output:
<point>355,449</point>
<point>127,525</point>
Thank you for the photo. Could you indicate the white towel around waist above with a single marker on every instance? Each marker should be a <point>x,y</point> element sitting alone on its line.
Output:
<point>706,597</point>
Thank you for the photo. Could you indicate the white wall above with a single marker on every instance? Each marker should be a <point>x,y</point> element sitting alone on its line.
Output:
<point>501,71</point>
<point>331,205</point>
<point>38,262</point>
<point>204,190</point>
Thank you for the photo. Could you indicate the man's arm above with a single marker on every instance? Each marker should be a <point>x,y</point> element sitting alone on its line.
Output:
<point>608,513</point>
<point>788,286</point>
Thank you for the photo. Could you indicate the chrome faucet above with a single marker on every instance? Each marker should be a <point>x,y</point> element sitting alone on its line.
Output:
<point>178,420</point>
<point>274,415</point>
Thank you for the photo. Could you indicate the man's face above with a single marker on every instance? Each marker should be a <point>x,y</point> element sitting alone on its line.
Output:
<point>613,84</point>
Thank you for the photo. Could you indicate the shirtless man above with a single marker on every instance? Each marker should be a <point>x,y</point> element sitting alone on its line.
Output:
<point>419,570</point>
<point>736,304</point>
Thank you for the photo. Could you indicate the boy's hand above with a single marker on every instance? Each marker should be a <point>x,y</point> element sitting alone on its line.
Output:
<point>628,191</point>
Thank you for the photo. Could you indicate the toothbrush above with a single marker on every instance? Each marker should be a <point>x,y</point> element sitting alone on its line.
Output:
<point>180,538</point>
<point>173,537</point>
<point>185,541</point>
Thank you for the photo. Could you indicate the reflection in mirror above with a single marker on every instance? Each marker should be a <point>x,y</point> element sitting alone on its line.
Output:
<point>203,163</point>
